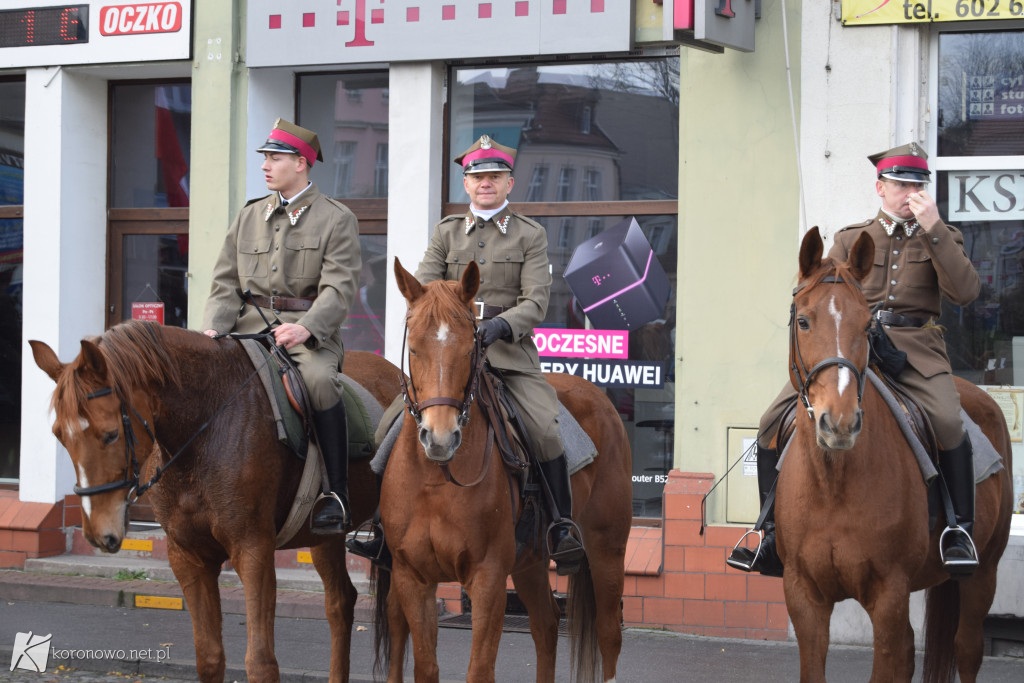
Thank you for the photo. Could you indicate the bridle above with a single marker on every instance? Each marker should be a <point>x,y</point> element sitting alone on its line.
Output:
<point>130,474</point>
<point>796,362</point>
<point>415,406</point>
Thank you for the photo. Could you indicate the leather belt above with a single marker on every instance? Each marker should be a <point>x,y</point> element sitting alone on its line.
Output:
<point>485,311</point>
<point>285,303</point>
<point>897,320</point>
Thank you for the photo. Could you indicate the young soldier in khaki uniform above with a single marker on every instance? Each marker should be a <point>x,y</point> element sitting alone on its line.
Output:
<point>515,282</point>
<point>919,260</point>
<point>297,251</point>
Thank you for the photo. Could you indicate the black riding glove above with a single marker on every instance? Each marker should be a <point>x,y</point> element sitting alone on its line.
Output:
<point>493,330</point>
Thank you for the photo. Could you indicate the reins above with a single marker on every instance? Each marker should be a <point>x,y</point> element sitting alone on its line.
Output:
<point>804,376</point>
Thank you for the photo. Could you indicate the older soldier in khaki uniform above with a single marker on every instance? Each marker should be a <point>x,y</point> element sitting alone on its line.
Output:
<point>297,251</point>
<point>512,253</point>
<point>919,260</point>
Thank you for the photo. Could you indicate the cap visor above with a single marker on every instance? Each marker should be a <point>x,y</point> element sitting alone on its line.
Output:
<point>275,146</point>
<point>487,167</point>
<point>907,177</point>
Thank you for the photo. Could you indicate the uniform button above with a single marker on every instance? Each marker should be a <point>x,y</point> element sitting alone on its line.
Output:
<point>892,298</point>
<point>895,266</point>
<point>892,282</point>
<point>277,228</point>
<point>274,268</point>
<point>455,259</point>
<point>277,247</point>
<point>508,258</point>
<point>481,280</point>
<point>479,244</point>
<point>888,327</point>
<point>896,251</point>
<point>935,240</point>
<point>255,249</point>
<point>483,261</point>
<point>274,292</point>
<point>899,238</point>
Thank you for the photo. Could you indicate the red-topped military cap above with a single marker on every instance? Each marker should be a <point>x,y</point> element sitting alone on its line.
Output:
<point>287,138</point>
<point>908,163</point>
<point>486,155</point>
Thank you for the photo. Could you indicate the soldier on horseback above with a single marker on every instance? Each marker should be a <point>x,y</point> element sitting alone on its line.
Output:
<point>919,260</point>
<point>297,253</point>
<point>515,283</point>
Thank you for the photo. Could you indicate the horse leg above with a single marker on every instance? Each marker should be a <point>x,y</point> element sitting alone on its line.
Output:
<point>976,595</point>
<point>810,612</point>
<point>607,562</point>
<point>893,637</point>
<point>486,589</point>
<point>398,632</point>
<point>534,589</point>
<point>198,581</point>
<point>419,607</point>
<point>254,562</point>
<point>340,603</point>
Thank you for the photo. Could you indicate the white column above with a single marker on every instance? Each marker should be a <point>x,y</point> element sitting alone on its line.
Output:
<point>65,252</point>
<point>415,133</point>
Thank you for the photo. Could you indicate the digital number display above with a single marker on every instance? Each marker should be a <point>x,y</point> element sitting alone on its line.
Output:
<point>62,25</point>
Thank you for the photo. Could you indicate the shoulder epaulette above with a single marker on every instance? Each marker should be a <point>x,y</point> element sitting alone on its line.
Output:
<point>336,203</point>
<point>258,199</point>
<point>526,219</point>
<point>862,224</point>
<point>453,217</point>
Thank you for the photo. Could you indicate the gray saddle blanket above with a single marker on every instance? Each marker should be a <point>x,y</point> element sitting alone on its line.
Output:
<point>580,450</point>
<point>986,459</point>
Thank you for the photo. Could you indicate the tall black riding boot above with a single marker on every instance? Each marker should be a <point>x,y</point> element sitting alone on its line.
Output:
<point>332,435</point>
<point>566,548</point>
<point>959,556</point>
<point>766,559</point>
<point>375,548</point>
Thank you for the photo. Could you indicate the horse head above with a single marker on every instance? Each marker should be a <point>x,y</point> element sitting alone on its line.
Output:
<point>441,338</point>
<point>828,351</point>
<point>93,423</point>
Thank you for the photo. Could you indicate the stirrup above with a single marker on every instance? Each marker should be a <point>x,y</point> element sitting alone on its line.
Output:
<point>958,565</point>
<point>329,528</point>
<point>735,562</point>
<point>566,561</point>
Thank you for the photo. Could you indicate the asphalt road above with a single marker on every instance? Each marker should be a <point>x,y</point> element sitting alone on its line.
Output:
<point>157,645</point>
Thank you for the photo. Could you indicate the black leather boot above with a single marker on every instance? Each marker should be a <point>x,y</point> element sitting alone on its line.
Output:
<point>332,435</point>
<point>375,548</point>
<point>766,558</point>
<point>566,548</point>
<point>956,547</point>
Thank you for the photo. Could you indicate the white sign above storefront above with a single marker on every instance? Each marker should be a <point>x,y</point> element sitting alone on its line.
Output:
<point>302,32</point>
<point>985,196</point>
<point>93,33</point>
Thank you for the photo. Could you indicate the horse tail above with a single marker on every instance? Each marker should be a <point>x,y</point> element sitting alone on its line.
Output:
<point>941,616</point>
<point>582,626</point>
<point>381,581</point>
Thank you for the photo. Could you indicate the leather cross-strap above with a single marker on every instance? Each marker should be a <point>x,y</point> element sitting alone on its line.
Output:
<point>486,311</point>
<point>284,303</point>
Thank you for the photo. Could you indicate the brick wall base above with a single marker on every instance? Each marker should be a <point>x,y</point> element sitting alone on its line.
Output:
<point>29,530</point>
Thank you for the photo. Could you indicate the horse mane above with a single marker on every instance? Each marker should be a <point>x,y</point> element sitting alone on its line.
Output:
<point>136,358</point>
<point>441,304</point>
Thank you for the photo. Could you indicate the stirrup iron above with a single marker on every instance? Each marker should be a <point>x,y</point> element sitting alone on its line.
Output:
<point>958,565</point>
<point>346,518</point>
<point>739,546</point>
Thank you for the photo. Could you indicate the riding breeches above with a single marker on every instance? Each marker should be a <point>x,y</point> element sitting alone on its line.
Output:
<point>537,404</point>
<point>937,396</point>
<point>320,371</point>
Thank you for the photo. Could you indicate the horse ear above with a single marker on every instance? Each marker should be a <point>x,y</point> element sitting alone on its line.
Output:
<point>93,360</point>
<point>862,256</point>
<point>407,284</point>
<point>811,250</point>
<point>46,359</point>
<point>470,282</point>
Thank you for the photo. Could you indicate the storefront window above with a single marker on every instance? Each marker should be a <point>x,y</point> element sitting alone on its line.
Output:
<point>349,113</point>
<point>981,114</point>
<point>580,171</point>
<point>12,164</point>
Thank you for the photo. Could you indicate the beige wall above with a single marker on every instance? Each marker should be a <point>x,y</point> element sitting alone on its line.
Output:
<point>739,229</point>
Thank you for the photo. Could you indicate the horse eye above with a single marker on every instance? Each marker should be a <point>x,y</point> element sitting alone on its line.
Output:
<point>110,437</point>
<point>802,322</point>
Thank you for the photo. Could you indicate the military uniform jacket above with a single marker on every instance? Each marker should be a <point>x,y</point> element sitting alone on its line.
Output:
<point>512,253</point>
<point>910,276</point>
<point>308,248</point>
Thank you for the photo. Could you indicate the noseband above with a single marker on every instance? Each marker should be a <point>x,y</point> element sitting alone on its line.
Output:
<point>415,406</point>
<point>803,375</point>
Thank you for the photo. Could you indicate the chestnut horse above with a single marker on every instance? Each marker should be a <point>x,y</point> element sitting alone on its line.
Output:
<point>443,532</point>
<point>852,508</point>
<point>229,491</point>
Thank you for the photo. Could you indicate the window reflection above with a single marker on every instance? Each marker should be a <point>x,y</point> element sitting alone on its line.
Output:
<point>349,114</point>
<point>363,329</point>
<point>981,94</point>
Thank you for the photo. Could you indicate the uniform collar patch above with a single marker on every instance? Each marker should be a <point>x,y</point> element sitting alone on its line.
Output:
<point>890,226</point>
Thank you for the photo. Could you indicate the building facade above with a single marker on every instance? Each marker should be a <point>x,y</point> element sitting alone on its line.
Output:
<point>121,168</point>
